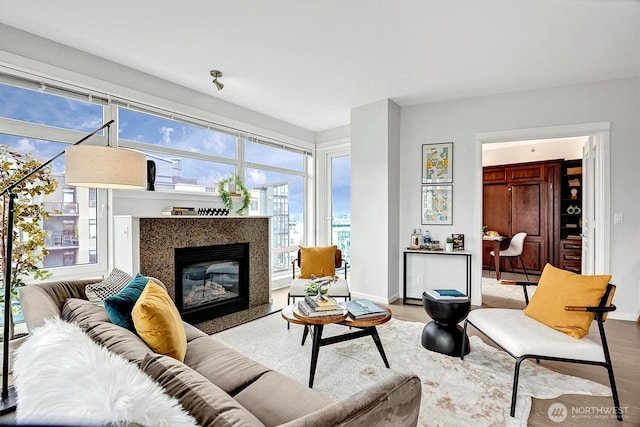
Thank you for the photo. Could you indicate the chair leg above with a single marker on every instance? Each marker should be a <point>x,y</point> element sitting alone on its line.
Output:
<point>514,392</point>
<point>524,268</point>
<point>609,366</point>
<point>614,391</point>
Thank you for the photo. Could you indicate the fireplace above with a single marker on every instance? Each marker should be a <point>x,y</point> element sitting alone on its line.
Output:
<point>211,281</point>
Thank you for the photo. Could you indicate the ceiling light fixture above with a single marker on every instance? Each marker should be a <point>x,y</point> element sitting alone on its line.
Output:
<point>216,75</point>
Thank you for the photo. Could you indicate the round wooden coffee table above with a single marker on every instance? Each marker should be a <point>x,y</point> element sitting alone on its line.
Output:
<point>367,327</point>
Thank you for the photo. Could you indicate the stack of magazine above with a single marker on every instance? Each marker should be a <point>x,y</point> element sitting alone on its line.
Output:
<point>363,309</point>
<point>325,306</point>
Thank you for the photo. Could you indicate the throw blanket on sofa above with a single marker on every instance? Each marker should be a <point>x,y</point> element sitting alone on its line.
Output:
<point>99,386</point>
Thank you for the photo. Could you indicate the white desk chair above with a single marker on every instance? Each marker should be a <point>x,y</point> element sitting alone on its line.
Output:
<point>515,249</point>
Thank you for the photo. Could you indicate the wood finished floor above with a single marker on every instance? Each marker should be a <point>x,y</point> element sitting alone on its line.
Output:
<point>624,345</point>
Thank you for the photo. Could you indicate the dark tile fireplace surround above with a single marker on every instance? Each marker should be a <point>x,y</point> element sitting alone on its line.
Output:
<point>159,238</point>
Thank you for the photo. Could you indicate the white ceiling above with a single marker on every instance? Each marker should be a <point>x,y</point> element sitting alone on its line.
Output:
<point>308,62</point>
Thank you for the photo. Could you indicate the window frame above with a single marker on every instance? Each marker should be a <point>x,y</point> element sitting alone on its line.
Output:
<point>70,137</point>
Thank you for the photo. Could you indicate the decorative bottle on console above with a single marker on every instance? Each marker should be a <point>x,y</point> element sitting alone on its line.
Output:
<point>415,238</point>
<point>426,238</point>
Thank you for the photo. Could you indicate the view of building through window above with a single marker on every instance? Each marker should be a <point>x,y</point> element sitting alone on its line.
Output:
<point>188,156</point>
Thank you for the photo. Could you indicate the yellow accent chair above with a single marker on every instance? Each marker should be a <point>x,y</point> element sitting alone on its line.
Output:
<point>318,261</point>
<point>554,324</point>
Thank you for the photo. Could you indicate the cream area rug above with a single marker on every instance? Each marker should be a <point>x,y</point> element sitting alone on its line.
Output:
<point>494,288</point>
<point>476,391</point>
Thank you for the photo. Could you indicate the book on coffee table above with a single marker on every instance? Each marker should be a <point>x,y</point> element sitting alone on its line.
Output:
<point>450,294</point>
<point>363,309</point>
<point>325,304</point>
<point>309,311</point>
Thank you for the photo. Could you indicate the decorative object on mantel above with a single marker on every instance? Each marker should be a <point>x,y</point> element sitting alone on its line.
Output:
<point>213,212</point>
<point>224,188</point>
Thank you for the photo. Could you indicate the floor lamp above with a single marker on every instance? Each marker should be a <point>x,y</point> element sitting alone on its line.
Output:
<point>86,166</point>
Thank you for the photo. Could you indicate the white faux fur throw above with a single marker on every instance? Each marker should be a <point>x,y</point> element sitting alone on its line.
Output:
<point>62,377</point>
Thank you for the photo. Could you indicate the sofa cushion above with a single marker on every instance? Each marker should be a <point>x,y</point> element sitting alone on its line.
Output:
<point>77,310</point>
<point>273,388</point>
<point>95,321</point>
<point>206,402</point>
<point>111,285</point>
<point>319,261</point>
<point>559,288</point>
<point>158,322</point>
<point>223,366</point>
<point>117,339</point>
<point>119,306</point>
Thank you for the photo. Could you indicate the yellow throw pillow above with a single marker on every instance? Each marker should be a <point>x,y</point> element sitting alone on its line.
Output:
<point>559,288</point>
<point>319,261</point>
<point>158,322</point>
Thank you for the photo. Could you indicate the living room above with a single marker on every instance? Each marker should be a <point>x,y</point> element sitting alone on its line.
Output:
<point>384,132</point>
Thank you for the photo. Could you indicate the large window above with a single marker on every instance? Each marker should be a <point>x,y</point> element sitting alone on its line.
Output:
<point>341,204</point>
<point>190,154</point>
<point>40,122</point>
<point>188,157</point>
<point>25,115</point>
<point>276,178</point>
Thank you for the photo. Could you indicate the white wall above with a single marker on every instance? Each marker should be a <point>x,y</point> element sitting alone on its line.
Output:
<point>374,201</point>
<point>616,101</point>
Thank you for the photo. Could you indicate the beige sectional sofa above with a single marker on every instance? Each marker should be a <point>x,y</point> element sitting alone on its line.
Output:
<point>216,384</point>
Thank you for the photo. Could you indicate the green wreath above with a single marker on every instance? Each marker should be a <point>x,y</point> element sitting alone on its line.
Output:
<point>227,200</point>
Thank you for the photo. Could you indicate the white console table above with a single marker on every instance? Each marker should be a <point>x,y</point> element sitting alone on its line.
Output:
<point>456,253</point>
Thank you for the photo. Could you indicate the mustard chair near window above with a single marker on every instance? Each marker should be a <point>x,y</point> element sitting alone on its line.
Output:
<point>319,261</point>
<point>554,325</point>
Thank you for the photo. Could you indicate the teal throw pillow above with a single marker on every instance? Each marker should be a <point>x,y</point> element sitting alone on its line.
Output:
<point>120,306</point>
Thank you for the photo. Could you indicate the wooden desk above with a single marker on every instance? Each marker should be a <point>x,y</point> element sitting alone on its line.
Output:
<point>496,250</point>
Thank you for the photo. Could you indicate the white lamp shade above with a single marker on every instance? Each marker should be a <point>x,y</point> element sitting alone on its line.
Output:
<point>105,167</point>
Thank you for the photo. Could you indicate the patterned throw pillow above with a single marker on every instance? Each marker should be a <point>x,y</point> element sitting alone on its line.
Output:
<point>112,285</point>
<point>120,306</point>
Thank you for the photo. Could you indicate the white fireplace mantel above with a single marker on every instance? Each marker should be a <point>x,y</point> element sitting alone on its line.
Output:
<point>141,203</point>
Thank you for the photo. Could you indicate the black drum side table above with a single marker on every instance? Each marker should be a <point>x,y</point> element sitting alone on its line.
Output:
<point>443,334</point>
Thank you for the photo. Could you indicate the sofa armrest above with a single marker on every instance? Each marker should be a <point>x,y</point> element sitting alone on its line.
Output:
<point>394,401</point>
<point>41,301</point>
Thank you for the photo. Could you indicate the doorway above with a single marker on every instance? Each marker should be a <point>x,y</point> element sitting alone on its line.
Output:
<point>595,138</point>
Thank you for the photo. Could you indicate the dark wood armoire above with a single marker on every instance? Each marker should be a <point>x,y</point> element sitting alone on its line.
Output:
<point>524,197</point>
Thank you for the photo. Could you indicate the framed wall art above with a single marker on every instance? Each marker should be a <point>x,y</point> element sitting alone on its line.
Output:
<point>437,163</point>
<point>437,204</point>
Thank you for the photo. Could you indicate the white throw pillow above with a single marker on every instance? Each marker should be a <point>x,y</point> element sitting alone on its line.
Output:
<point>61,376</point>
<point>112,285</point>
